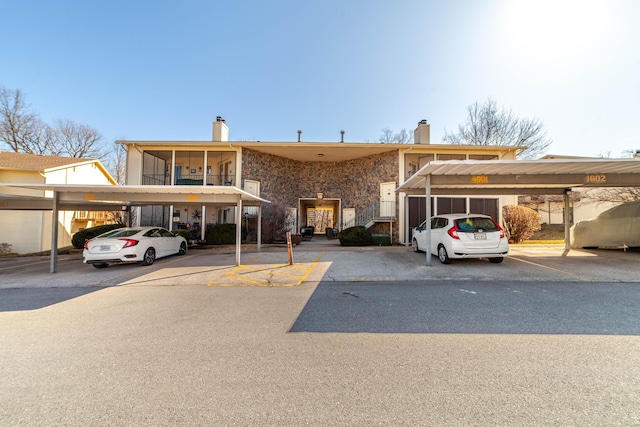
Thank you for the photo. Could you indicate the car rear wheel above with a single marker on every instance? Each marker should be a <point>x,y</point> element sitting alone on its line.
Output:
<point>414,243</point>
<point>149,257</point>
<point>101,265</point>
<point>442,255</point>
<point>183,248</point>
<point>496,260</point>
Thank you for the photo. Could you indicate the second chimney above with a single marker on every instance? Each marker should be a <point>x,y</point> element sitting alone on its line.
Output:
<point>220,130</point>
<point>422,134</point>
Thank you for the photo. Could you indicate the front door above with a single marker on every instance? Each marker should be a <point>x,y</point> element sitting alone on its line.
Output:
<point>387,199</point>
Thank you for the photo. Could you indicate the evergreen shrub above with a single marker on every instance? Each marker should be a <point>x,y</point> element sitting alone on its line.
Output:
<point>354,236</point>
<point>82,236</point>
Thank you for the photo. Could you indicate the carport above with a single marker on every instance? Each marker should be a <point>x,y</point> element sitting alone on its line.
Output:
<point>516,177</point>
<point>72,197</point>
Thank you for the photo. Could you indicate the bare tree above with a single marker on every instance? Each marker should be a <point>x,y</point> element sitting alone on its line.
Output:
<point>43,139</point>
<point>23,132</point>
<point>116,162</point>
<point>16,121</point>
<point>77,140</point>
<point>388,137</point>
<point>613,195</point>
<point>488,125</point>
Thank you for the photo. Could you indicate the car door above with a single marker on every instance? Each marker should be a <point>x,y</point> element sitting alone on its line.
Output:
<point>170,242</point>
<point>155,240</point>
<point>438,227</point>
<point>420,234</point>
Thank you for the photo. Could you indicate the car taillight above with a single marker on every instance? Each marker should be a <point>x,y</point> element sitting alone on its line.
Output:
<point>499,228</point>
<point>453,231</point>
<point>86,244</point>
<point>130,242</point>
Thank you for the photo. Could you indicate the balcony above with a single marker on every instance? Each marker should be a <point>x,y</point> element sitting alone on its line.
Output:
<point>162,179</point>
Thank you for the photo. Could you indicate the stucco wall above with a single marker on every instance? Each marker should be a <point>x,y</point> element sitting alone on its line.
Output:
<point>355,182</point>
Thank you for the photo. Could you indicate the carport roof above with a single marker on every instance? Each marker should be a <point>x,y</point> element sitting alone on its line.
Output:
<point>109,197</point>
<point>555,176</point>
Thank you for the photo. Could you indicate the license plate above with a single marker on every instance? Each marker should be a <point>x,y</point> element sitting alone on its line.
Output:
<point>480,236</point>
<point>105,248</point>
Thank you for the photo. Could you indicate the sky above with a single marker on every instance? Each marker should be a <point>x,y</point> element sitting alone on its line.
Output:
<point>160,70</point>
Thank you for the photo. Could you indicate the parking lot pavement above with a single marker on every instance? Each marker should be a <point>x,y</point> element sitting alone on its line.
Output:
<point>215,267</point>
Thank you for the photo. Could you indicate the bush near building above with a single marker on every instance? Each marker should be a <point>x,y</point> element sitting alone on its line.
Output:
<point>520,222</point>
<point>354,236</point>
<point>82,236</point>
<point>221,234</point>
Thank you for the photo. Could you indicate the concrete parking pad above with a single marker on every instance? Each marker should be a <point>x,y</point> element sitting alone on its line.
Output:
<point>270,269</point>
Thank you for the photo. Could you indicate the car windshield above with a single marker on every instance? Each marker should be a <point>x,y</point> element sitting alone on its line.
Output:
<point>121,232</point>
<point>476,224</point>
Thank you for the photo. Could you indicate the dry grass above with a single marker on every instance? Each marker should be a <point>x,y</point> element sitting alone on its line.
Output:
<point>548,234</point>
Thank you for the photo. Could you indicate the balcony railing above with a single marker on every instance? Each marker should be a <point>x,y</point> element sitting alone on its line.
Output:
<point>162,179</point>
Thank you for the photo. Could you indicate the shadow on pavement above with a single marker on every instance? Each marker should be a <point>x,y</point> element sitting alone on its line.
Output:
<point>17,299</point>
<point>459,307</point>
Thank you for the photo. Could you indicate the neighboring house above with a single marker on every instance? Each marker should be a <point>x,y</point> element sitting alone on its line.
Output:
<point>321,184</point>
<point>30,231</point>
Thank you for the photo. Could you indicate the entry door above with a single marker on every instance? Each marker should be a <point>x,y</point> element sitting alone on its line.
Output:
<point>387,199</point>
<point>348,217</point>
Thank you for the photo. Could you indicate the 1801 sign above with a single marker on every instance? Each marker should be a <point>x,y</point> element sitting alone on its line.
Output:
<point>480,179</point>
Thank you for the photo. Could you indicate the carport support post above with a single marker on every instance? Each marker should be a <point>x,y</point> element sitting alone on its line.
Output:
<point>427,223</point>
<point>259,225</point>
<point>407,229</point>
<point>54,234</point>
<point>238,228</point>
<point>567,236</point>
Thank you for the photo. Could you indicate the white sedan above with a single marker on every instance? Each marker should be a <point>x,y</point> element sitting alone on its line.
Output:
<point>136,244</point>
<point>462,236</point>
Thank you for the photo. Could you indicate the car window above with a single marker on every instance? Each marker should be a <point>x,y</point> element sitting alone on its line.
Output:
<point>438,223</point>
<point>120,233</point>
<point>476,224</point>
<point>166,233</point>
<point>152,233</point>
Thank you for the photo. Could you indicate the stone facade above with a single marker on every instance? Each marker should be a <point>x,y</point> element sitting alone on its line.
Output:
<point>355,182</point>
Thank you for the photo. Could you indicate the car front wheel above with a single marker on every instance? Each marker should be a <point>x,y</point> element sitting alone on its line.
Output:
<point>442,255</point>
<point>416,248</point>
<point>149,257</point>
<point>183,248</point>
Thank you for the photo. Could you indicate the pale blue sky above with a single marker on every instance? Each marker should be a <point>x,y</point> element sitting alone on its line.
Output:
<point>159,70</point>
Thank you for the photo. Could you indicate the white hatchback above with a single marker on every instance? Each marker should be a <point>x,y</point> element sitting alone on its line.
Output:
<point>135,244</point>
<point>463,236</point>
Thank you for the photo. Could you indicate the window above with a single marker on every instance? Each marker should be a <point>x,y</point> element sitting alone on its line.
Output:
<point>452,157</point>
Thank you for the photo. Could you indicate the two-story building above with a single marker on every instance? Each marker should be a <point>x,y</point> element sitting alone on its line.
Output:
<point>321,184</point>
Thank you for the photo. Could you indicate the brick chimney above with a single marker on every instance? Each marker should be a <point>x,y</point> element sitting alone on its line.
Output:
<point>220,130</point>
<point>422,134</point>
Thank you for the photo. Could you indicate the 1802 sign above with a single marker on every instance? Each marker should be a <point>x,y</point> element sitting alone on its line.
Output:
<point>595,179</point>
